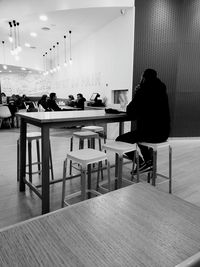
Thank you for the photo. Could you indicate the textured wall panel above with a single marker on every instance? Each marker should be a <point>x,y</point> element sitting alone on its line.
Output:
<point>167,37</point>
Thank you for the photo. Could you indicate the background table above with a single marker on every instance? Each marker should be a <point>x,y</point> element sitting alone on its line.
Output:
<point>47,120</point>
<point>133,226</point>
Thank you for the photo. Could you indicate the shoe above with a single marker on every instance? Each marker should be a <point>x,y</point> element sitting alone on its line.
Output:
<point>144,167</point>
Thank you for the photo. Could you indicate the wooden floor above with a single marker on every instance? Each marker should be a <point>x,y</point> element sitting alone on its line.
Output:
<point>16,206</point>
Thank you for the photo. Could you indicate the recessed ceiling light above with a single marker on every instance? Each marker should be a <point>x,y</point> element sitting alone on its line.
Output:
<point>43,17</point>
<point>27,45</point>
<point>23,68</point>
<point>33,34</point>
<point>0,70</point>
<point>10,70</point>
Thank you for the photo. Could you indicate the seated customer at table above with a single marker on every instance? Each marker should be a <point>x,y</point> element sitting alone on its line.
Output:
<point>43,102</point>
<point>70,101</point>
<point>51,102</point>
<point>79,103</point>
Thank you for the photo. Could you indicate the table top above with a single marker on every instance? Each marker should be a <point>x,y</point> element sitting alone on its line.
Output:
<point>133,226</point>
<point>56,116</point>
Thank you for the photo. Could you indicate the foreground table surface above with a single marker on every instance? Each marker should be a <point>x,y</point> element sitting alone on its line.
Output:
<point>133,226</point>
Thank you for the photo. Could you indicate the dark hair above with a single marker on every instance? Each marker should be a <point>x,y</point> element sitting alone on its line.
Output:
<point>44,97</point>
<point>150,74</point>
<point>80,95</point>
<point>52,95</point>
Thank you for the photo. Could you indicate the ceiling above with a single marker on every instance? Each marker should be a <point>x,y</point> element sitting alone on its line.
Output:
<point>82,20</point>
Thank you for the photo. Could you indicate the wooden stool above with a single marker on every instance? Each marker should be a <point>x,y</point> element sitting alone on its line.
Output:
<point>82,136</point>
<point>155,147</point>
<point>31,137</point>
<point>84,157</point>
<point>96,129</point>
<point>120,148</point>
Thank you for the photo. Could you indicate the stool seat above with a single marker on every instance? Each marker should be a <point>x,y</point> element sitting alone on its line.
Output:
<point>155,146</point>
<point>85,134</point>
<point>120,148</point>
<point>33,135</point>
<point>93,128</point>
<point>84,157</point>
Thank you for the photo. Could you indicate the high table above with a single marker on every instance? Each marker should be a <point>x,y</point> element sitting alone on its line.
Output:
<point>133,226</point>
<point>47,120</point>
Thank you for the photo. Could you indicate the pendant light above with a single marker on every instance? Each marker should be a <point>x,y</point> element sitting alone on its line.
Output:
<point>4,56</point>
<point>65,51</point>
<point>70,47</point>
<point>58,57</point>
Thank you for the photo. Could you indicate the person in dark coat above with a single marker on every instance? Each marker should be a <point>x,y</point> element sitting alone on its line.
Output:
<point>43,102</point>
<point>150,109</point>
<point>80,101</point>
<point>51,103</point>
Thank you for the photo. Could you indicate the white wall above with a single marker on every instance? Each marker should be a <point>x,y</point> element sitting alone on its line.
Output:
<point>101,63</point>
<point>104,58</point>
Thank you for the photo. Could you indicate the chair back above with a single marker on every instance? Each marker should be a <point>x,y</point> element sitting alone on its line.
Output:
<point>5,112</point>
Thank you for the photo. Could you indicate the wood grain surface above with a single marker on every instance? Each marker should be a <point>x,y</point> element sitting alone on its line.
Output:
<point>134,226</point>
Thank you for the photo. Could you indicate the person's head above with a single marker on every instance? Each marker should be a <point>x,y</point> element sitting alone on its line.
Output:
<point>44,97</point>
<point>52,96</point>
<point>71,97</point>
<point>149,75</point>
<point>79,96</point>
<point>3,94</point>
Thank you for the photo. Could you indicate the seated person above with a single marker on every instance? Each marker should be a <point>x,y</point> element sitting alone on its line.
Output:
<point>150,109</point>
<point>3,98</point>
<point>32,108</point>
<point>79,103</point>
<point>43,102</point>
<point>70,101</point>
<point>51,102</point>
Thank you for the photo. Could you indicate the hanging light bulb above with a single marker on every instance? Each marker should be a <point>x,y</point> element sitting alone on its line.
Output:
<point>15,52</point>
<point>58,58</point>
<point>54,58</point>
<point>51,65</point>
<point>4,56</point>
<point>19,48</point>
<point>10,38</point>
<point>70,47</point>
<point>65,51</point>
<point>47,72</point>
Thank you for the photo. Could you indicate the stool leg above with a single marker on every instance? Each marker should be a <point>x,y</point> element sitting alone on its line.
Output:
<point>100,148</point>
<point>81,143</point>
<point>89,179</point>
<point>51,162</point>
<point>38,156</point>
<point>137,165</point>
<point>30,161</point>
<point>154,168</point>
<point>108,173</point>
<point>18,157</point>
<point>64,182</point>
<point>97,185</point>
<point>83,184</point>
<point>116,166</point>
<point>119,178</point>
<point>170,169</point>
<point>71,148</point>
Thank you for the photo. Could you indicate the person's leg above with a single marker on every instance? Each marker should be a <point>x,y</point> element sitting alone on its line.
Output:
<point>146,152</point>
<point>132,138</point>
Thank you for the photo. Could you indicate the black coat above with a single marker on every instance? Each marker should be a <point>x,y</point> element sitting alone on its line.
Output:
<point>150,109</point>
